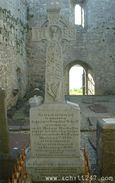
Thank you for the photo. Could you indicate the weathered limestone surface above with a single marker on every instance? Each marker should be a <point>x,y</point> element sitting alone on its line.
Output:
<point>55,141</point>
<point>55,125</point>
<point>57,33</point>
<point>35,101</point>
<point>13,49</point>
<point>4,140</point>
<point>106,147</point>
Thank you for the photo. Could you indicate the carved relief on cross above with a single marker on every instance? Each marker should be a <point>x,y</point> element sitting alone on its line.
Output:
<point>55,33</point>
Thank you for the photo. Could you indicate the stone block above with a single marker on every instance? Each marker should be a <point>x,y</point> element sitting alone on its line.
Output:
<point>106,147</point>
<point>55,141</point>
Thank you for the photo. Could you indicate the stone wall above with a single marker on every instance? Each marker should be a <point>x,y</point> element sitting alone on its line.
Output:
<point>94,44</point>
<point>101,43</point>
<point>36,51</point>
<point>13,66</point>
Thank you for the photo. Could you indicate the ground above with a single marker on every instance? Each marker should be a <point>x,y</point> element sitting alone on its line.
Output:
<point>92,108</point>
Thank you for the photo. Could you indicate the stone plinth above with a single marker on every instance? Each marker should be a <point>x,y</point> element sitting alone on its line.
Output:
<point>55,141</point>
<point>106,147</point>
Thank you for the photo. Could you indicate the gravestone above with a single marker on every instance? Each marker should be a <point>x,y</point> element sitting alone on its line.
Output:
<point>4,138</point>
<point>8,156</point>
<point>54,125</point>
<point>106,147</point>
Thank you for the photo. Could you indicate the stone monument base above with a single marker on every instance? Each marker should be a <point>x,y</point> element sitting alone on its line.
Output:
<point>55,143</point>
<point>57,169</point>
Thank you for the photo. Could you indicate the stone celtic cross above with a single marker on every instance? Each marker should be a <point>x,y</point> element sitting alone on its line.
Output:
<point>55,32</point>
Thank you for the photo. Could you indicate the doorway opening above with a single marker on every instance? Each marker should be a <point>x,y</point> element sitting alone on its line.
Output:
<point>76,80</point>
<point>81,81</point>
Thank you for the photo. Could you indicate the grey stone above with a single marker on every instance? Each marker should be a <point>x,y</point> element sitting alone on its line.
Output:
<point>106,147</point>
<point>35,101</point>
<point>55,125</point>
<point>55,141</point>
<point>5,159</point>
<point>4,136</point>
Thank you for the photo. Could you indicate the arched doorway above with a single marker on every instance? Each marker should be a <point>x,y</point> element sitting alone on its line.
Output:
<point>79,79</point>
<point>76,80</point>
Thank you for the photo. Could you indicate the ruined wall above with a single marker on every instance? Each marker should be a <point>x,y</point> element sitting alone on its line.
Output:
<point>94,44</point>
<point>101,43</point>
<point>13,65</point>
<point>36,51</point>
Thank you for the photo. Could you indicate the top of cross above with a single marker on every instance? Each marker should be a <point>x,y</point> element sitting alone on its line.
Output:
<point>53,5</point>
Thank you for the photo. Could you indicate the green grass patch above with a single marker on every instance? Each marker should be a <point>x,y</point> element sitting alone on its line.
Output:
<point>76,91</point>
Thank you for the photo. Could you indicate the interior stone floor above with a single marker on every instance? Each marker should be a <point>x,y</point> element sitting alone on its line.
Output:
<point>92,108</point>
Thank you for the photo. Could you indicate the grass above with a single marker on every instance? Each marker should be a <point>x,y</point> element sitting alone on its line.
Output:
<point>76,91</point>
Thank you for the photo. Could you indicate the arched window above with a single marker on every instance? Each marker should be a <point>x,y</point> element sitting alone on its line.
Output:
<point>76,80</point>
<point>81,81</point>
<point>79,15</point>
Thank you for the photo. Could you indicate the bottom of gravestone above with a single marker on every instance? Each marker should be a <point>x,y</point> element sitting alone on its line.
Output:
<point>55,143</point>
<point>75,181</point>
<point>56,173</point>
